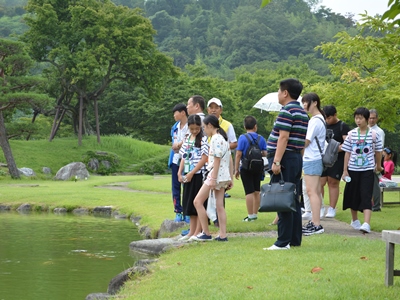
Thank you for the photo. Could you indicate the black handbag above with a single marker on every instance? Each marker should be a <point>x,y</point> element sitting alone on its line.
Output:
<point>278,196</point>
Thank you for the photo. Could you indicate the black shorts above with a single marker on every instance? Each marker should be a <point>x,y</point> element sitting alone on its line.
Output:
<point>190,190</point>
<point>357,193</point>
<point>336,171</point>
<point>251,181</point>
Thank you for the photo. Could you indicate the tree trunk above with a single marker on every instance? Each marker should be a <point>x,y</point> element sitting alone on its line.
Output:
<point>53,128</point>
<point>5,145</point>
<point>96,114</point>
<point>80,129</point>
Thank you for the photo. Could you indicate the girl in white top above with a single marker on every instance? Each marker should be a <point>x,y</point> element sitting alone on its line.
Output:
<point>312,160</point>
<point>218,180</point>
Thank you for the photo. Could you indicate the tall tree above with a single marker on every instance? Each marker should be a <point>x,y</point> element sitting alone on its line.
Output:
<point>17,90</point>
<point>88,44</point>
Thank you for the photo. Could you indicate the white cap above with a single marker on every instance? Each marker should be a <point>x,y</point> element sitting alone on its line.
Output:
<point>214,100</point>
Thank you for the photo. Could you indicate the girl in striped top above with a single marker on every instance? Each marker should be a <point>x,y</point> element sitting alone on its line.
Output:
<point>194,153</point>
<point>363,155</point>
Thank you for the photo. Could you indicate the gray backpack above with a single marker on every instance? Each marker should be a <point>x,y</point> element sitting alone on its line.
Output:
<point>331,150</point>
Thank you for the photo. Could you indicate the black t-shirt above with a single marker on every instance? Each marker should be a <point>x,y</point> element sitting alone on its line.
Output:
<point>339,130</point>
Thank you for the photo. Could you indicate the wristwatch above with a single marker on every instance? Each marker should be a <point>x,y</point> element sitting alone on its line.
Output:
<point>277,163</point>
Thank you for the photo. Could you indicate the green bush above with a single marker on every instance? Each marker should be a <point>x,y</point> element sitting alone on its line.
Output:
<point>156,164</point>
<point>103,156</point>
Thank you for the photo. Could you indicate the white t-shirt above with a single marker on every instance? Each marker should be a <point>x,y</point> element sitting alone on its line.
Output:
<point>220,148</point>
<point>315,128</point>
<point>179,136</point>
<point>231,134</point>
<point>380,132</point>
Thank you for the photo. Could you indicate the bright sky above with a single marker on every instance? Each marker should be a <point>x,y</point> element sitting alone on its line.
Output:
<point>373,7</point>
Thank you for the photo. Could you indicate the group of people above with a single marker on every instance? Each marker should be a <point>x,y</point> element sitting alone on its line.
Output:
<point>203,144</point>
<point>201,160</point>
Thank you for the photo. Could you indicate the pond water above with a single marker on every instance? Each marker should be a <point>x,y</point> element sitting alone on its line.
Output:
<point>47,256</point>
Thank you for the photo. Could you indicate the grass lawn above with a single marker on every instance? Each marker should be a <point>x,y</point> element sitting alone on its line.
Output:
<point>349,267</point>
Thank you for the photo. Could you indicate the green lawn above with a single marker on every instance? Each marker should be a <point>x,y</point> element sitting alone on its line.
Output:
<point>351,267</point>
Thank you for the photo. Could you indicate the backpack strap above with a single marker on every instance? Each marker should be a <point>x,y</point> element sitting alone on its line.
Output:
<point>252,141</point>
<point>319,146</point>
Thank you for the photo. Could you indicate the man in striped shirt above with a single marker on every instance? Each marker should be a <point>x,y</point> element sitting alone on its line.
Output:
<point>284,147</point>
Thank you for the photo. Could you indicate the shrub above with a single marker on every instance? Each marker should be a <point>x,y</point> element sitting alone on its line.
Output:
<point>157,164</point>
<point>103,156</point>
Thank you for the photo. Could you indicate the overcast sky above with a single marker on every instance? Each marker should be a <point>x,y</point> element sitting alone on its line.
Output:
<point>373,7</point>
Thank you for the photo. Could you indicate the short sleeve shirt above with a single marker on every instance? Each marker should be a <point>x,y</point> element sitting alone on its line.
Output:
<point>293,118</point>
<point>316,129</point>
<point>220,148</point>
<point>193,154</point>
<point>179,135</point>
<point>362,149</point>
<point>243,143</point>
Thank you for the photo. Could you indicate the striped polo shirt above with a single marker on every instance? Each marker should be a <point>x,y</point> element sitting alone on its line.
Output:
<point>293,118</point>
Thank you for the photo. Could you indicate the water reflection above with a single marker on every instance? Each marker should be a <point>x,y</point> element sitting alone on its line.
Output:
<point>47,256</point>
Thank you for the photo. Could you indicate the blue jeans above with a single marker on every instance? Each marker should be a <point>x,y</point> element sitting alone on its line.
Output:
<point>289,224</point>
<point>176,189</point>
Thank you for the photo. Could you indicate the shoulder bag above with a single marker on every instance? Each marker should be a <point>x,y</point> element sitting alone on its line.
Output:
<point>278,196</point>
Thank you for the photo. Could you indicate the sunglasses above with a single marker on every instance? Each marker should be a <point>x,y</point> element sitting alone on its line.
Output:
<point>387,150</point>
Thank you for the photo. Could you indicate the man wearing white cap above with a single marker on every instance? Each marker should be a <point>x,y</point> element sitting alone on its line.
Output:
<point>214,107</point>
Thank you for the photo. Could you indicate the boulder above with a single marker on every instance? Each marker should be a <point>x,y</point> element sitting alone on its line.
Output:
<point>80,211</point>
<point>154,247</point>
<point>118,281</point>
<point>73,170</point>
<point>5,207</point>
<point>26,172</point>
<point>93,164</point>
<point>46,170</point>
<point>98,296</point>
<point>102,210</point>
<point>60,210</point>
<point>169,226</point>
<point>24,207</point>
<point>106,164</point>
<point>145,231</point>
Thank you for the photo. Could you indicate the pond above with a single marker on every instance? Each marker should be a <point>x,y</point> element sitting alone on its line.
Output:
<point>47,256</point>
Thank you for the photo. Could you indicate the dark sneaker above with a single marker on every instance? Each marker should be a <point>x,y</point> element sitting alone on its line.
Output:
<point>203,237</point>
<point>227,195</point>
<point>247,219</point>
<point>219,239</point>
<point>308,226</point>
<point>314,230</point>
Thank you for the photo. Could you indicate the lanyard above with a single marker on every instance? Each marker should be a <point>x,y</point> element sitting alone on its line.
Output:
<point>365,139</point>
<point>190,146</point>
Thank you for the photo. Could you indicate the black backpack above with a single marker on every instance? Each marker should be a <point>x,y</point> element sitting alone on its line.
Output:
<point>252,160</point>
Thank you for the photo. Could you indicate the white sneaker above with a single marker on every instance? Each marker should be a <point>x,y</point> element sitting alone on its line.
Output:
<point>331,213</point>
<point>306,216</point>
<point>365,228</point>
<point>322,212</point>
<point>185,238</point>
<point>356,224</point>
<point>274,247</point>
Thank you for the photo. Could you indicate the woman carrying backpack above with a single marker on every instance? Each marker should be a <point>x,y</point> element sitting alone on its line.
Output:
<point>251,148</point>
<point>312,160</point>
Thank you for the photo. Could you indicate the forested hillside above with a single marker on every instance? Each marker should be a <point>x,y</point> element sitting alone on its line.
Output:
<point>230,49</point>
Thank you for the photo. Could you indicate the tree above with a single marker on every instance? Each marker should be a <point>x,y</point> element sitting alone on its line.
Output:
<point>87,45</point>
<point>367,68</point>
<point>392,12</point>
<point>17,89</point>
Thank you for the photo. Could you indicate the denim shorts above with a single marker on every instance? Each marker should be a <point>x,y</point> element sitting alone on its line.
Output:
<point>313,168</point>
